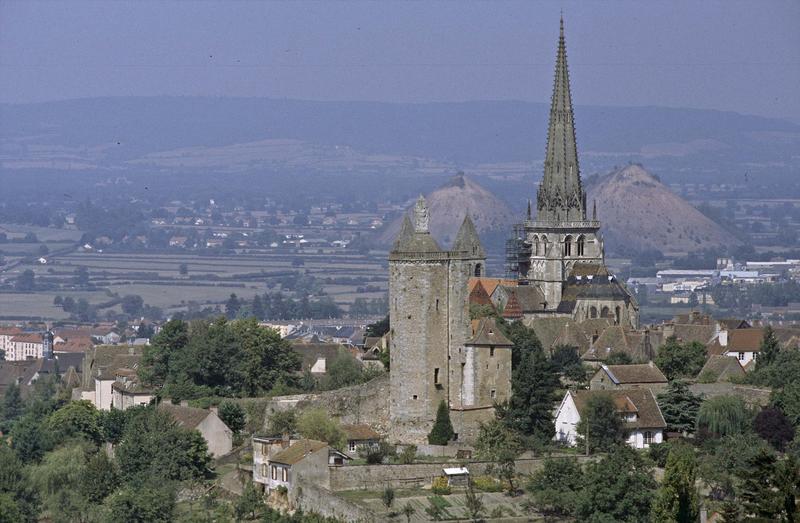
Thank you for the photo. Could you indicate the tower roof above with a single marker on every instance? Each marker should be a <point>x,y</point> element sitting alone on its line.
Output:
<point>561,197</point>
<point>415,238</point>
<point>467,239</point>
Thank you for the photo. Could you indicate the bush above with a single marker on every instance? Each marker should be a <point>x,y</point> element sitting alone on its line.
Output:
<point>658,453</point>
<point>407,455</point>
<point>232,414</point>
<point>487,484</point>
<point>440,486</point>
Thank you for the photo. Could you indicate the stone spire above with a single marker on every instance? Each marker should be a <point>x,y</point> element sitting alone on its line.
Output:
<point>560,195</point>
<point>467,240</point>
<point>421,218</point>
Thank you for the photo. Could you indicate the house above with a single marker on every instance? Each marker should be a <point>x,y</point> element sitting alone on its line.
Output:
<point>317,356</point>
<point>720,368</point>
<point>642,420</point>
<point>106,336</point>
<point>218,436</point>
<point>744,344</point>
<point>609,377</point>
<point>263,448</point>
<point>360,436</point>
<point>307,458</point>
<point>26,346</point>
<point>6,334</point>
<point>127,390</point>
<point>100,366</point>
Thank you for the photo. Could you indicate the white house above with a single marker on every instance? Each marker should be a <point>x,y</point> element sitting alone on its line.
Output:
<point>305,457</point>
<point>642,419</point>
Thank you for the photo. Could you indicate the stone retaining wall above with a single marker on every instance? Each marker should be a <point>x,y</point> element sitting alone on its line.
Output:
<point>313,498</point>
<point>371,477</point>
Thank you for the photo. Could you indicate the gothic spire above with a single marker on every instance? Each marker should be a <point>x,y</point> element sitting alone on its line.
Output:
<point>560,195</point>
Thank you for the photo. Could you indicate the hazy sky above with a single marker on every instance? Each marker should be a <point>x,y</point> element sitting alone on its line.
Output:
<point>734,55</point>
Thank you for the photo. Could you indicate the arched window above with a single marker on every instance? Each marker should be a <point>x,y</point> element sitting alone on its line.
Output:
<point>617,314</point>
<point>478,269</point>
<point>568,246</point>
<point>536,246</point>
<point>593,312</point>
<point>544,245</point>
<point>581,243</point>
<point>605,313</point>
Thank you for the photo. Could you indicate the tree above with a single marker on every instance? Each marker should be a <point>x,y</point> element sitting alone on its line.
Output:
<point>677,498</point>
<point>473,503</point>
<point>379,328</point>
<point>723,416</point>
<point>533,387</point>
<point>770,347</point>
<point>282,422</point>
<point>132,304</point>
<point>26,281</point>
<point>55,478</point>
<point>81,276</point>
<point>678,360</point>
<point>679,407</point>
<point>774,427</point>
<point>387,497</point>
<point>758,493</point>
<point>619,487</point>
<point>99,478</point>
<point>524,340</point>
<point>257,308</point>
<point>342,371</point>
<point>232,414</point>
<point>787,400</point>
<point>442,431</point>
<point>76,419</point>
<point>602,421</point>
<point>408,511</point>
<point>498,444</point>
<point>619,358</point>
<point>142,504</point>
<point>154,446</point>
<point>249,502</point>
<point>376,454</point>
<point>232,306</point>
<point>554,487</point>
<point>316,424</point>
<point>12,406</point>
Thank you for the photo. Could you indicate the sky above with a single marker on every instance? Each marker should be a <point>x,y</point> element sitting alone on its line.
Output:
<point>742,56</point>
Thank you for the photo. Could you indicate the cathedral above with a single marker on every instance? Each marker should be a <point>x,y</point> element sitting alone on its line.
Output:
<point>559,254</point>
<point>437,352</point>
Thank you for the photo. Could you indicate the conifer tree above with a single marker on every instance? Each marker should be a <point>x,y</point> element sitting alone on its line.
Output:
<point>533,386</point>
<point>769,349</point>
<point>442,430</point>
<point>679,407</point>
<point>677,497</point>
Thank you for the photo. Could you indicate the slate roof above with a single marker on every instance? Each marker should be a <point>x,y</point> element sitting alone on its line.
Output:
<point>617,339</point>
<point>360,433</point>
<point>486,333</point>
<point>410,241</point>
<point>745,340</point>
<point>720,368</point>
<point>686,333</point>
<point>467,240</point>
<point>641,401</point>
<point>640,373</point>
<point>548,329</point>
<point>18,372</point>
<point>189,417</point>
<point>297,451</point>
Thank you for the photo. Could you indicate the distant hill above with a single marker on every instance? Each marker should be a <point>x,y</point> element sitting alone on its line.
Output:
<point>638,212</point>
<point>134,135</point>
<point>450,203</point>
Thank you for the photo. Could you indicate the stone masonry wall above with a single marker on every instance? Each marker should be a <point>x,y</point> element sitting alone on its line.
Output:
<point>313,498</point>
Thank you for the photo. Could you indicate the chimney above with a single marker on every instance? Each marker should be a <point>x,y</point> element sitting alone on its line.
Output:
<point>285,440</point>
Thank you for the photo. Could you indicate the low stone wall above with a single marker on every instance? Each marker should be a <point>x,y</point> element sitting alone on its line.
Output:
<point>371,477</point>
<point>313,498</point>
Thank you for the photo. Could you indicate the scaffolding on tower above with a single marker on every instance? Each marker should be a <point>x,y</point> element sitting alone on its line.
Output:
<point>518,254</point>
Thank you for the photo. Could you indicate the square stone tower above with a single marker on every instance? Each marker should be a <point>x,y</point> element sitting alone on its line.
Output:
<point>429,315</point>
